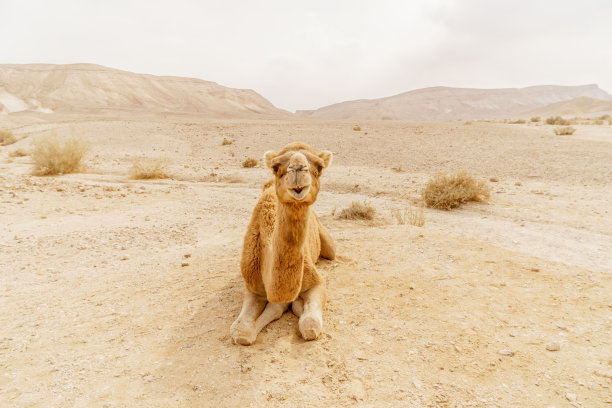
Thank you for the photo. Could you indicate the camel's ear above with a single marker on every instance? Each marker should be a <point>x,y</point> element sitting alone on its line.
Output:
<point>326,156</point>
<point>268,157</point>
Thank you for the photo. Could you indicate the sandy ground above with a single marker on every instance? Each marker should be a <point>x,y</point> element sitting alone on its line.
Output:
<point>117,292</point>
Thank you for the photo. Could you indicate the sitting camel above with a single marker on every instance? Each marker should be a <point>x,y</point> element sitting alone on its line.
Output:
<point>281,246</point>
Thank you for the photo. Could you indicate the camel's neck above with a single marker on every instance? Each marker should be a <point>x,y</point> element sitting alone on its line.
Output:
<point>284,276</point>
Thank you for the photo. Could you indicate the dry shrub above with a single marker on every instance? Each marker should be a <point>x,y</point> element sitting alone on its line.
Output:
<point>557,120</point>
<point>53,155</point>
<point>518,122</point>
<point>146,169</point>
<point>446,191</point>
<point>535,119</point>
<point>467,122</point>
<point>604,117</point>
<point>250,162</point>
<point>410,215</point>
<point>358,211</point>
<point>357,128</point>
<point>609,121</point>
<point>599,122</point>
<point>226,142</point>
<point>18,153</point>
<point>7,138</point>
<point>563,131</point>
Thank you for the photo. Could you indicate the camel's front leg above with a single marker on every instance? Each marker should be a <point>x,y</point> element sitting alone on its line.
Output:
<point>311,319</point>
<point>243,330</point>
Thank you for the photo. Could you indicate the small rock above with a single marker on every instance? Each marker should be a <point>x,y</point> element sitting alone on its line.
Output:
<point>124,258</point>
<point>570,397</point>
<point>184,264</point>
<point>508,353</point>
<point>553,347</point>
<point>187,256</point>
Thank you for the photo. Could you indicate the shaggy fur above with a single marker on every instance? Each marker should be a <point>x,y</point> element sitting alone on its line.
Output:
<point>282,244</point>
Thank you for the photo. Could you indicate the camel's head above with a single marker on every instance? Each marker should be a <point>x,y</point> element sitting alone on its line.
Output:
<point>297,169</point>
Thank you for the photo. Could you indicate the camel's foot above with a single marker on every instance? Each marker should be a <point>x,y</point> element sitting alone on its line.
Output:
<point>297,307</point>
<point>310,326</point>
<point>243,332</point>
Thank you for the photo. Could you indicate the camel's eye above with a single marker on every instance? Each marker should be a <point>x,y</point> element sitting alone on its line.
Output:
<point>275,168</point>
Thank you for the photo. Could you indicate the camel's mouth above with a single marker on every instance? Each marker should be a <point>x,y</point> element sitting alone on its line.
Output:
<point>299,193</point>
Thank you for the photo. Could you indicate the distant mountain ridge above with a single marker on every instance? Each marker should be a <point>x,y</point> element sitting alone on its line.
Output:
<point>445,103</point>
<point>94,88</point>
<point>580,106</point>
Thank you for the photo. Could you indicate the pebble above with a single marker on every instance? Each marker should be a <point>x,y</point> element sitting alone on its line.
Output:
<point>553,347</point>
<point>570,397</point>
<point>184,264</point>
<point>508,353</point>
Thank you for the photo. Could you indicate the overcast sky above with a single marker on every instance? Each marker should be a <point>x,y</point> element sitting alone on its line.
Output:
<point>308,54</point>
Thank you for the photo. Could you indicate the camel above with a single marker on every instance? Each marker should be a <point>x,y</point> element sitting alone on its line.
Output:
<point>282,243</point>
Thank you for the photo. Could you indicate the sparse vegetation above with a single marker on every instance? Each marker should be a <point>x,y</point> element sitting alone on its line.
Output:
<point>7,138</point>
<point>226,142</point>
<point>397,169</point>
<point>518,122</point>
<point>563,131</point>
<point>467,122</point>
<point>357,128</point>
<point>250,162</point>
<point>535,119</point>
<point>604,117</point>
<point>53,155</point>
<point>557,120</point>
<point>493,179</point>
<point>358,211</point>
<point>446,191</point>
<point>18,153</point>
<point>147,169</point>
<point>410,215</point>
<point>599,122</point>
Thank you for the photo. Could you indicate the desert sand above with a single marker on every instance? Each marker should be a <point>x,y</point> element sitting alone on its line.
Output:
<point>119,292</point>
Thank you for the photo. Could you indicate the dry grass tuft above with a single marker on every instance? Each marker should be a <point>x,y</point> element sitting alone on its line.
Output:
<point>557,120</point>
<point>409,215</point>
<point>467,122</point>
<point>535,119</point>
<point>226,142</point>
<point>599,122</point>
<point>250,162</point>
<point>52,155</point>
<point>147,169</point>
<point>19,153</point>
<point>518,122</point>
<point>446,191</point>
<point>7,138</point>
<point>357,128</point>
<point>563,131</point>
<point>358,211</point>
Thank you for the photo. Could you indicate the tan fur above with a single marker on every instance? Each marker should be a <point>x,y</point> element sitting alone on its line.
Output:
<point>282,244</point>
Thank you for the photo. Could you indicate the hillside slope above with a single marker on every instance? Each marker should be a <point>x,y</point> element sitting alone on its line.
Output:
<point>94,88</point>
<point>574,107</point>
<point>443,103</point>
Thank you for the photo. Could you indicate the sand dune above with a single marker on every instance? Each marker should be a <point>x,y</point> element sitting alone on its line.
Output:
<point>443,103</point>
<point>92,88</point>
<point>575,107</point>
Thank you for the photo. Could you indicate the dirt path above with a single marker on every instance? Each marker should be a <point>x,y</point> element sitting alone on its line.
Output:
<point>117,292</point>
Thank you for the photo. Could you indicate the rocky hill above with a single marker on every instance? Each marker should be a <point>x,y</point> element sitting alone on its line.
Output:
<point>443,103</point>
<point>95,89</point>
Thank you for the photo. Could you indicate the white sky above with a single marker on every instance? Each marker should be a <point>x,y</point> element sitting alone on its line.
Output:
<point>308,54</point>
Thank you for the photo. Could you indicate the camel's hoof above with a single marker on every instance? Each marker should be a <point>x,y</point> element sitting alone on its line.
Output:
<point>310,327</point>
<point>242,335</point>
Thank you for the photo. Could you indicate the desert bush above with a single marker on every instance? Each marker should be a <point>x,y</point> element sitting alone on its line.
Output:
<point>226,142</point>
<point>467,122</point>
<point>250,162</point>
<point>7,138</point>
<point>18,153</point>
<point>518,122</point>
<point>357,128</point>
<point>535,119</point>
<point>358,211</point>
<point>563,131</point>
<point>557,120</point>
<point>604,117</point>
<point>146,169</point>
<point>410,215</point>
<point>446,191</point>
<point>53,155</point>
<point>609,121</point>
<point>599,122</point>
